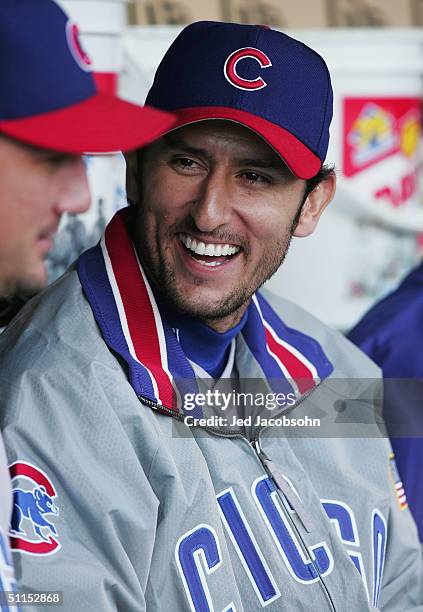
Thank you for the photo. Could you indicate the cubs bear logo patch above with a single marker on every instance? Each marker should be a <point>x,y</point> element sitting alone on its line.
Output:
<point>32,528</point>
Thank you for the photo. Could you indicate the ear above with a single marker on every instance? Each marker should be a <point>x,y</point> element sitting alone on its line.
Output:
<point>132,183</point>
<point>314,206</point>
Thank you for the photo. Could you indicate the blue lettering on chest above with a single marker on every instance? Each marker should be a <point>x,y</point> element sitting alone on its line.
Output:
<point>198,552</point>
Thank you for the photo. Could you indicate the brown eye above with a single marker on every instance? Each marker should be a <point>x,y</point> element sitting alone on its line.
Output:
<point>254,177</point>
<point>185,162</point>
<point>186,165</point>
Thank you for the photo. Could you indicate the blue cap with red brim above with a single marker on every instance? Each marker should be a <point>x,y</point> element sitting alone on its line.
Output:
<point>48,95</point>
<point>252,75</point>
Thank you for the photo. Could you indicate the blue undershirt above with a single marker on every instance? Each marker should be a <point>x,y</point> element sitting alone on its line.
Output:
<point>201,344</point>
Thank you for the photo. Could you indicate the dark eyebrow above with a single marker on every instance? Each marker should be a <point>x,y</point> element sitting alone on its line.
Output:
<point>260,163</point>
<point>176,142</point>
<point>267,164</point>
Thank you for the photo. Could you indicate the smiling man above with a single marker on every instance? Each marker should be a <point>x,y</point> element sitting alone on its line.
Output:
<point>210,226</point>
<point>170,491</point>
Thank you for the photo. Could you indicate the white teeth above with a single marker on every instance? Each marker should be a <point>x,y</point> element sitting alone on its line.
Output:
<point>212,250</point>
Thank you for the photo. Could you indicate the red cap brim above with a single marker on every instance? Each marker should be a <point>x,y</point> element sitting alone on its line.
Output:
<point>300,160</point>
<point>101,124</point>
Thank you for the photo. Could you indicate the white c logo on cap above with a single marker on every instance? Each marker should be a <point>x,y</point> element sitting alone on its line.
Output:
<point>230,68</point>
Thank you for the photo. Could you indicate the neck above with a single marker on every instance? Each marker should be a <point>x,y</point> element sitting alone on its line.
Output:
<point>223,324</point>
<point>205,342</point>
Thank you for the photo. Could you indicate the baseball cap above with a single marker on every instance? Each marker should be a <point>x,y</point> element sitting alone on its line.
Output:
<point>253,75</point>
<point>48,94</point>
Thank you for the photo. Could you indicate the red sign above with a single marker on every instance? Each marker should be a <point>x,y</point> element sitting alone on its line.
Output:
<point>376,128</point>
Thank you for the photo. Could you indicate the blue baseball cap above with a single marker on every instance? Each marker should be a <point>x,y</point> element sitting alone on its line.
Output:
<point>48,94</point>
<point>252,75</point>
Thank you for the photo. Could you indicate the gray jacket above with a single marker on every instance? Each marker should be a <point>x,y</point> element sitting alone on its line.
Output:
<point>133,510</point>
<point>7,578</point>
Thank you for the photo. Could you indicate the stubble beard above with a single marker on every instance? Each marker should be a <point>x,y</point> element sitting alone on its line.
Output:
<point>20,284</point>
<point>165,280</point>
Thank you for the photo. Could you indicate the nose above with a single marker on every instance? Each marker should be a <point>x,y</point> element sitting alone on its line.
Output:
<point>75,194</point>
<point>212,207</point>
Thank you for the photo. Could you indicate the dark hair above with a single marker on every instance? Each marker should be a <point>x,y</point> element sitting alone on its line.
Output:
<point>325,172</point>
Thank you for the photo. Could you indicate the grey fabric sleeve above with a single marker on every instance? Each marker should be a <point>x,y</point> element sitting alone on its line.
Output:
<point>5,492</point>
<point>58,417</point>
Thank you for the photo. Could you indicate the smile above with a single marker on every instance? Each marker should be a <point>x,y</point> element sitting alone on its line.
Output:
<point>209,250</point>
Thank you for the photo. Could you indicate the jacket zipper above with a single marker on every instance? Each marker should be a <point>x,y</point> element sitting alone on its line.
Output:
<point>160,408</point>
<point>287,494</point>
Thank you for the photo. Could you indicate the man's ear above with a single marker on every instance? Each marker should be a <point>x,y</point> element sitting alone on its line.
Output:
<point>314,206</point>
<point>132,179</point>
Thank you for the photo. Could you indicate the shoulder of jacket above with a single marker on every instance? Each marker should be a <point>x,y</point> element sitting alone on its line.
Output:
<point>58,316</point>
<point>347,359</point>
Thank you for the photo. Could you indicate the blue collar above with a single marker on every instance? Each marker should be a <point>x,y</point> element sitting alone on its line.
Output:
<point>201,344</point>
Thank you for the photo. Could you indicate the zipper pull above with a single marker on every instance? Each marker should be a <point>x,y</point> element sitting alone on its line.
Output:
<point>278,478</point>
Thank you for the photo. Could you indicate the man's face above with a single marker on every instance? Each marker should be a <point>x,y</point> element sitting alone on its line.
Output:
<point>36,187</point>
<point>215,217</point>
